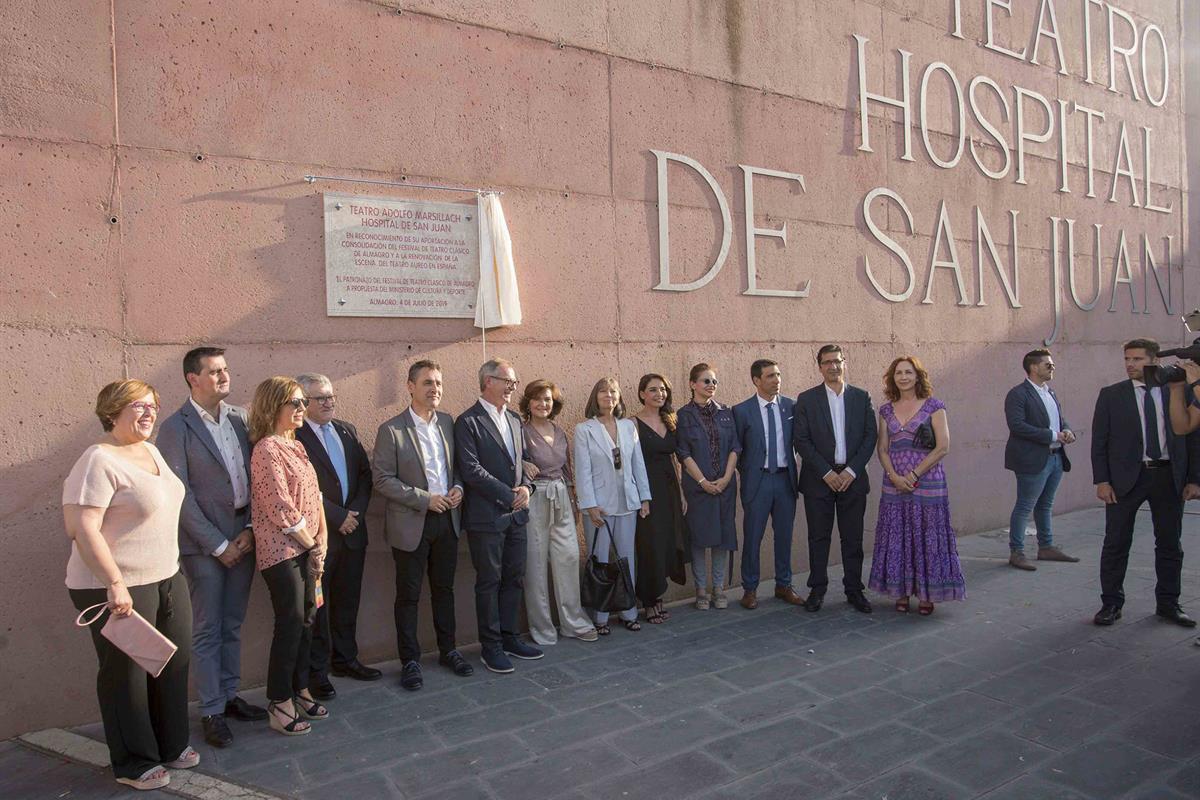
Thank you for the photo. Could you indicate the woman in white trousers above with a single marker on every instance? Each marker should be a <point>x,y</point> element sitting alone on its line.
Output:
<point>551,536</point>
<point>611,484</point>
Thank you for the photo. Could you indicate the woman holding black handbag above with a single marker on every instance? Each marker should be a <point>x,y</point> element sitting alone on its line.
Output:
<point>915,549</point>
<point>611,484</point>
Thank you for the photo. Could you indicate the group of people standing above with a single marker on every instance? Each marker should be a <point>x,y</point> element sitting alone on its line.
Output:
<point>283,490</point>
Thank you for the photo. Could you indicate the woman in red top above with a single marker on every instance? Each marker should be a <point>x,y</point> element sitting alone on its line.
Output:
<point>289,542</point>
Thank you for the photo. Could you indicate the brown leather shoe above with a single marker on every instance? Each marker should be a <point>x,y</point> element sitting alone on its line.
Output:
<point>1018,560</point>
<point>788,595</point>
<point>749,600</point>
<point>1054,554</point>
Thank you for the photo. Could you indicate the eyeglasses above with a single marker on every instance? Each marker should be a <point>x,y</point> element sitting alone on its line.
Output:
<point>708,381</point>
<point>829,362</point>
<point>325,400</point>
<point>141,409</point>
<point>297,403</point>
<point>616,454</point>
<point>510,384</point>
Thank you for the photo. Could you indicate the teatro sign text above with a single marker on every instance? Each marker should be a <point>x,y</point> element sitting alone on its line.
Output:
<point>996,131</point>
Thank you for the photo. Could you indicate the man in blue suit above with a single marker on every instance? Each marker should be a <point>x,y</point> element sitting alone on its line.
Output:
<point>768,467</point>
<point>489,457</point>
<point>1038,435</point>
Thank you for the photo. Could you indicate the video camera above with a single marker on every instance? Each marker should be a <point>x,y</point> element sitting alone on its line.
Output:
<point>1162,374</point>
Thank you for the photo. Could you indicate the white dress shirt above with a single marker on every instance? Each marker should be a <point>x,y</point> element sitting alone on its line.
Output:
<point>433,452</point>
<point>779,445</point>
<point>1139,393</point>
<point>837,412</point>
<point>500,417</point>
<point>225,437</point>
<point>1051,411</point>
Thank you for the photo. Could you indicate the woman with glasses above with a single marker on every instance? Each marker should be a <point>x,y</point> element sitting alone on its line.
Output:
<point>290,540</point>
<point>551,536</point>
<point>708,449</point>
<point>611,484</point>
<point>121,509</point>
<point>662,548</point>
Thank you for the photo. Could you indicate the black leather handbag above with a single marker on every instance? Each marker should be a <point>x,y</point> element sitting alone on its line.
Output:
<point>606,587</point>
<point>924,437</point>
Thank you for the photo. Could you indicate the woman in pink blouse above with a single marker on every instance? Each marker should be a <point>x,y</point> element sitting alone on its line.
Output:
<point>289,543</point>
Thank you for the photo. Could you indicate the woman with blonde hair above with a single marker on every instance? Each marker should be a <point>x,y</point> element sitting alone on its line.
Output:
<point>611,484</point>
<point>915,549</point>
<point>290,539</point>
<point>121,510</point>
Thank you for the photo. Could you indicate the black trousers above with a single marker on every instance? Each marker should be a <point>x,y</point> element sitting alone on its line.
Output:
<point>1166,512</point>
<point>499,559</point>
<point>821,511</point>
<point>335,629</point>
<point>438,554</point>
<point>145,718</point>
<point>292,591</point>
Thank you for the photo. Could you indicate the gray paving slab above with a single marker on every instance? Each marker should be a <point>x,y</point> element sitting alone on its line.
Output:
<point>1011,695</point>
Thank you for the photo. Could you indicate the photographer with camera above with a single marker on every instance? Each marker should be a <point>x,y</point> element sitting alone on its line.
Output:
<point>1137,457</point>
<point>1185,396</point>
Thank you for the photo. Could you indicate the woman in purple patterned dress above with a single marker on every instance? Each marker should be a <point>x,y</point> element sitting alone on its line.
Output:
<point>915,550</point>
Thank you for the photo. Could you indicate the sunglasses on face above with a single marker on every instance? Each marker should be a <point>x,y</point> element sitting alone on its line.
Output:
<point>708,381</point>
<point>297,403</point>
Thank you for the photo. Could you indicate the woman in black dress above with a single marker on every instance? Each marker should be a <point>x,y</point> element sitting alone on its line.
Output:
<point>661,540</point>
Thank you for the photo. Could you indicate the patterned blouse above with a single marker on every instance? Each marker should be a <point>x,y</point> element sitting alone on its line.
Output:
<point>708,421</point>
<point>283,490</point>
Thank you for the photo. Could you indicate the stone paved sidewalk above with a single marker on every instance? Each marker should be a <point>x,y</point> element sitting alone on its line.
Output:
<point>1013,694</point>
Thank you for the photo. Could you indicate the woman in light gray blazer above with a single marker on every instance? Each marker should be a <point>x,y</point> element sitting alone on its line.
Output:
<point>610,483</point>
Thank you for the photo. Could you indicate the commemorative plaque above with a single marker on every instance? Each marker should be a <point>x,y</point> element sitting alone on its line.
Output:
<point>400,258</point>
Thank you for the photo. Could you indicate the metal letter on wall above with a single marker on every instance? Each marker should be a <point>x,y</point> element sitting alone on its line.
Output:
<point>664,241</point>
<point>890,244</point>
<point>748,174</point>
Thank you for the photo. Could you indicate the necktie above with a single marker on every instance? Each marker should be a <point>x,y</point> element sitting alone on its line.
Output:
<point>772,448</point>
<point>1153,448</point>
<point>337,457</point>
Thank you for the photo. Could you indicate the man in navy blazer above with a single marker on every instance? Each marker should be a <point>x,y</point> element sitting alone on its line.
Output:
<point>834,432</point>
<point>344,475</point>
<point>768,467</point>
<point>1136,457</point>
<point>1038,435</point>
<point>488,452</point>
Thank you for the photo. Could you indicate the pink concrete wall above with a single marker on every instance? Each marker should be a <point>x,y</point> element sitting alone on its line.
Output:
<point>152,157</point>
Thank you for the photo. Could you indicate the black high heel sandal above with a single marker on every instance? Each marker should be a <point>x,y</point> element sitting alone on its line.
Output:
<point>310,708</point>
<point>293,728</point>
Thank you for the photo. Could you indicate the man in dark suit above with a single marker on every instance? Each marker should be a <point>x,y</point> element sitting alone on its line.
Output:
<point>834,433</point>
<point>488,452</point>
<point>1137,457</point>
<point>206,445</point>
<point>768,467</point>
<point>1038,435</point>
<point>414,471</point>
<point>344,475</point>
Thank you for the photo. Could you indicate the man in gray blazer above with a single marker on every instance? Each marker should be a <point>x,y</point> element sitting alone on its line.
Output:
<point>206,445</point>
<point>414,471</point>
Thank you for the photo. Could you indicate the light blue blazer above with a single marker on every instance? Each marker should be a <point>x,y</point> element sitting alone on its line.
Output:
<point>594,469</point>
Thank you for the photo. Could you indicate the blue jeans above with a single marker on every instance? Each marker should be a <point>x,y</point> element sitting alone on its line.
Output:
<point>1035,494</point>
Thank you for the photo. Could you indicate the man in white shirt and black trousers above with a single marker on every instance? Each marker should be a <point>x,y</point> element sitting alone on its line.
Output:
<point>1137,457</point>
<point>1036,452</point>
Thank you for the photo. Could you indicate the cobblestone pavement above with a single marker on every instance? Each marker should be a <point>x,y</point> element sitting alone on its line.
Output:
<point>1011,694</point>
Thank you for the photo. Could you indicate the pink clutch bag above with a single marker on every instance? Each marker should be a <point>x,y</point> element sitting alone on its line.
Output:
<point>133,636</point>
